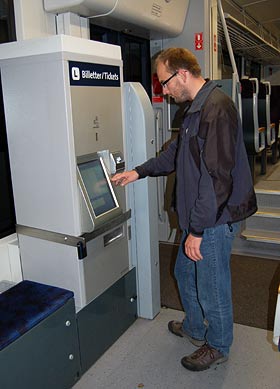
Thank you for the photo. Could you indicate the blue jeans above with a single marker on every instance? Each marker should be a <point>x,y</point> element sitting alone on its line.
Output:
<point>205,288</point>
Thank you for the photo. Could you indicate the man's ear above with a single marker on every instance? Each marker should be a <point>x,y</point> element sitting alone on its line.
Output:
<point>183,74</point>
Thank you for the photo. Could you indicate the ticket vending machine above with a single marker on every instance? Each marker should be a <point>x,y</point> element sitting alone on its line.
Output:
<point>64,117</point>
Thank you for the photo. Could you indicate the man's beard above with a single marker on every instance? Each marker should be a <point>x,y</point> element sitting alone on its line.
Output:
<point>184,96</point>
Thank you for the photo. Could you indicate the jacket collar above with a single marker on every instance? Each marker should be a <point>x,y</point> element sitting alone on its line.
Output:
<point>200,98</point>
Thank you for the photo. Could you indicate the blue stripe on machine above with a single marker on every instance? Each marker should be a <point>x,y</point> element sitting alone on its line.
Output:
<point>91,74</point>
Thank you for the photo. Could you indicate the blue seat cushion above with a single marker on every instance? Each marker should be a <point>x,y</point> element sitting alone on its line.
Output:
<point>25,305</point>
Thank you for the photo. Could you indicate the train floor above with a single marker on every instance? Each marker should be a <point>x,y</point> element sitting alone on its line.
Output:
<point>148,356</point>
<point>272,176</point>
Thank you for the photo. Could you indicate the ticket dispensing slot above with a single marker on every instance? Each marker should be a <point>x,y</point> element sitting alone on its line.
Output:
<point>118,163</point>
<point>114,162</point>
<point>113,236</point>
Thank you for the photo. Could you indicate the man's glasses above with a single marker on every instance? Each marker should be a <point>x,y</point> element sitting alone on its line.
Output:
<point>164,83</point>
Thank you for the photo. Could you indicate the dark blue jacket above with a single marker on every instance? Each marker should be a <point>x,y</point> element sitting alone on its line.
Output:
<point>213,179</point>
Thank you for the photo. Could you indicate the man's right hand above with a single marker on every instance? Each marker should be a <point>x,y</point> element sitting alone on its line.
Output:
<point>125,178</point>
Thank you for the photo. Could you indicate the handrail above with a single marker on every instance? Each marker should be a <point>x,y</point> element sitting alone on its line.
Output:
<point>235,76</point>
<point>270,132</point>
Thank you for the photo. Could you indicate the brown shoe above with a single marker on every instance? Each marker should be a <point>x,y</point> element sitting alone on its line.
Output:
<point>176,327</point>
<point>203,358</point>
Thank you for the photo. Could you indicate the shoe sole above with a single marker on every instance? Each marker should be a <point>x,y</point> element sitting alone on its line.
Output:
<point>192,367</point>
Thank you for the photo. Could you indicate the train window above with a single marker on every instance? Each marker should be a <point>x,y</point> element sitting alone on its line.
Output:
<point>135,54</point>
<point>7,212</point>
<point>226,66</point>
<point>252,69</point>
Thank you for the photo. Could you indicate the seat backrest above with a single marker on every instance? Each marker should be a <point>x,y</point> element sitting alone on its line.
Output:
<point>254,140</point>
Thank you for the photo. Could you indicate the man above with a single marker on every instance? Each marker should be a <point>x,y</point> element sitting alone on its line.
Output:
<point>214,192</point>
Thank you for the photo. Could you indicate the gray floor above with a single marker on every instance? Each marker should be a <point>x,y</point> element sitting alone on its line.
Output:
<point>148,356</point>
<point>270,181</point>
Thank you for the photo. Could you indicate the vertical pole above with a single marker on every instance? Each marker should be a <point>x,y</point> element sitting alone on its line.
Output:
<point>235,77</point>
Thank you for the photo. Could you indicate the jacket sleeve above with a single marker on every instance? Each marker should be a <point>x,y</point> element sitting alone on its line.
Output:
<point>162,165</point>
<point>217,133</point>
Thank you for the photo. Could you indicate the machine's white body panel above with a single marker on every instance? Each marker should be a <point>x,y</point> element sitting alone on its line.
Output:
<point>52,120</point>
<point>41,131</point>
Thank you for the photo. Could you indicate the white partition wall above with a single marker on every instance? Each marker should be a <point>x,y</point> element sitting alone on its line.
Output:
<point>140,141</point>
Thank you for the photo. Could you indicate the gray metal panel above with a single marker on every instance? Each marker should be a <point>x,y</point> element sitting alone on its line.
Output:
<point>47,356</point>
<point>97,119</point>
<point>97,123</point>
<point>103,321</point>
<point>105,263</point>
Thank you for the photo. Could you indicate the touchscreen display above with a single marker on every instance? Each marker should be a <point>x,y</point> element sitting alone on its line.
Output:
<point>97,187</point>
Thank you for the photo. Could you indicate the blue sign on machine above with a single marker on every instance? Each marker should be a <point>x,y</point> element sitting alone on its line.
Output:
<point>91,74</point>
